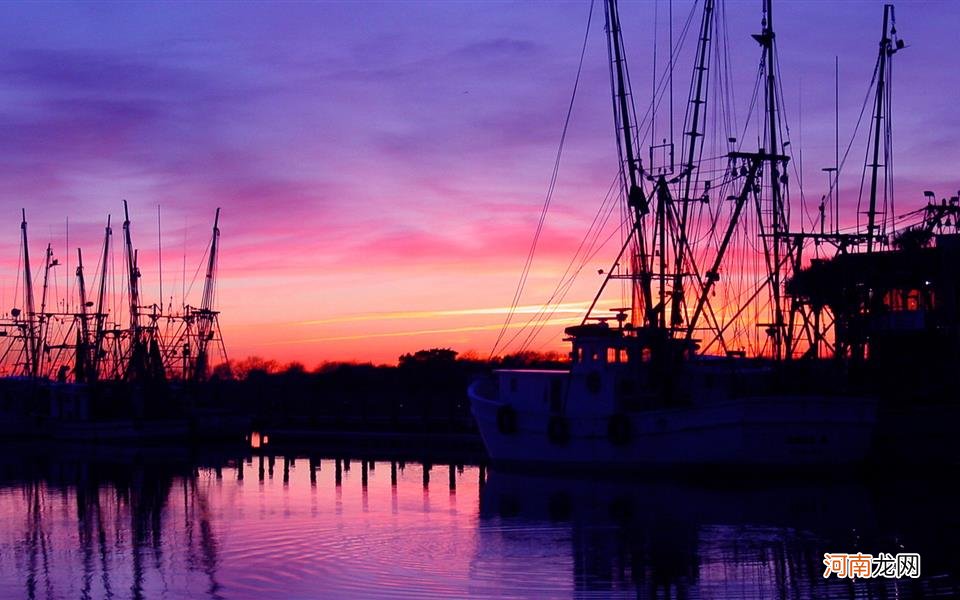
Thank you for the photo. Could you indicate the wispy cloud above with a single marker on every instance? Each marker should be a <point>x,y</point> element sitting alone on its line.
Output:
<point>417,332</point>
<point>529,309</point>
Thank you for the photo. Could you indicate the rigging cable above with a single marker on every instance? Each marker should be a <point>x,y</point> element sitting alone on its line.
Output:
<point>590,240</point>
<point>670,29</point>
<point>549,195</point>
<point>653,94</point>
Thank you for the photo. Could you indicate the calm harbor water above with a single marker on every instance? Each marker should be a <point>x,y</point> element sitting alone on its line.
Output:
<point>155,525</point>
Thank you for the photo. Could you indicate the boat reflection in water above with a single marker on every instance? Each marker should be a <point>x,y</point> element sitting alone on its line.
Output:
<point>102,528</point>
<point>718,539</point>
<point>252,523</point>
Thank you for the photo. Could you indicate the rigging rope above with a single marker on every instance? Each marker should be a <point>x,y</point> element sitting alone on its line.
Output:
<point>549,195</point>
<point>597,226</point>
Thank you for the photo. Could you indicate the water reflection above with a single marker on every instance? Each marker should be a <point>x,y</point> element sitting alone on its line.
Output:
<point>720,539</point>
<point>150,524</point>
<point>99,529</point>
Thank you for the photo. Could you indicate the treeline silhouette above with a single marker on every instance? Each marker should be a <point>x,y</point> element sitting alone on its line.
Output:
<point>426,391</point>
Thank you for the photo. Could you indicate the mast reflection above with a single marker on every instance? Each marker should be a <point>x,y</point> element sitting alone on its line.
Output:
<point>122,513</point>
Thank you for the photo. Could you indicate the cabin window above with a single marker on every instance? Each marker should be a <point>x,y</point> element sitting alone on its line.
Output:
<point>909,299</point>
<point>912,300</point>
<point>613,355</point>
<point>595,357</point>
<point>645,355</point>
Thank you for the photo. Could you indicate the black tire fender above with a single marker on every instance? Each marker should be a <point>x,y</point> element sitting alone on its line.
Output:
<point>618,429</point>
<point>506,420</point>
<point>594,382</point>
<point>558,431</point>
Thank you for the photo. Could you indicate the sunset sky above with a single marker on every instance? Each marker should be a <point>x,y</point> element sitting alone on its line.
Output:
<point>381,166</point>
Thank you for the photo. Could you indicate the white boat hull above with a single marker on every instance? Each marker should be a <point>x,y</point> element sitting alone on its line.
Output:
<point>761,430</point>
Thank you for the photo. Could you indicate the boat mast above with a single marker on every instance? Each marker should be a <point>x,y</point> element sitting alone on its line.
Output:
<point>101,315</point>
<point>83,351</point>
<point>878,118</point>
<point>137,367</point>
<point>777,217</point>
<point>41,339</point>
<point>32,365</point>
<point>206,316</point>
<point>635,196</point>
<point>133,277</point>
<point>698,103</point>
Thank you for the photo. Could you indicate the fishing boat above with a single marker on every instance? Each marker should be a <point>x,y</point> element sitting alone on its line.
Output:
<point>736,346</point>
<point>705,411</point>
<point>108,367</point>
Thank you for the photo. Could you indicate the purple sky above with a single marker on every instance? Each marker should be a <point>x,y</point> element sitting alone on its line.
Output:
<point>391,157</point>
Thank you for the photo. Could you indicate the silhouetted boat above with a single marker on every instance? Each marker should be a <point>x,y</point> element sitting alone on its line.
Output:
<point>773,376</point>
<point>82,375</point>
